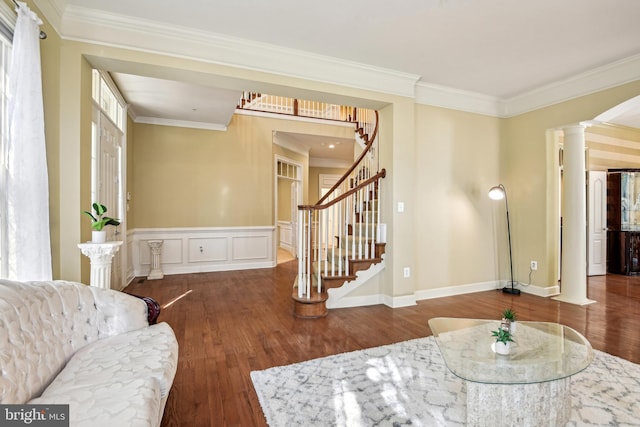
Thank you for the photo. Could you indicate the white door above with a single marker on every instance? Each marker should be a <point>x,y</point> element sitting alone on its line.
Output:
<point>109,192</point>
<point>597,224</point>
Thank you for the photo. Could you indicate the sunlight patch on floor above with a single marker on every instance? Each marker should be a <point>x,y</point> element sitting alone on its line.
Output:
<point>176,299</point>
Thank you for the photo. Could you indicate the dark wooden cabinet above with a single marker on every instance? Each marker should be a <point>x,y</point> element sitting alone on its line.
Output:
<point>623,235</point>
<point>623,252</point>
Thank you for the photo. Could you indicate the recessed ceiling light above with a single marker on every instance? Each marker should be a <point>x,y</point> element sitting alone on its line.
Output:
<point>332,146</point>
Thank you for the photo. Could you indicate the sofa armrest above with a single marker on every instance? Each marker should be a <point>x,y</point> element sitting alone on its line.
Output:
<point>118,312</point>
<point>153,309</point>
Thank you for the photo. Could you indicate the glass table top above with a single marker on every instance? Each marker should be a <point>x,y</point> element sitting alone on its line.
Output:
<point>541,352</point>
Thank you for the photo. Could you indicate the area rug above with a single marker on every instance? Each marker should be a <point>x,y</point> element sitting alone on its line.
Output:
<point>408,384</point>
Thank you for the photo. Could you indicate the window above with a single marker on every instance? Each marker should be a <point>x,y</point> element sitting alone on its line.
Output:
<point>106,98</point>
<point>5,54</point>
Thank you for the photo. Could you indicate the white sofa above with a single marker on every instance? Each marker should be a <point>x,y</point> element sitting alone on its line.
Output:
<point>68,343</point>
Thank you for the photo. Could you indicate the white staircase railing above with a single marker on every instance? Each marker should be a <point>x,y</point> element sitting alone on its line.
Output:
<point>344,226</point>
<point>299,107</point>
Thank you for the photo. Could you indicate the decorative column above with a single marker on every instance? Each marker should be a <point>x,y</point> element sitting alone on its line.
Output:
<point>156,251</point>
<point>573,279</point>
<point>101,255</point>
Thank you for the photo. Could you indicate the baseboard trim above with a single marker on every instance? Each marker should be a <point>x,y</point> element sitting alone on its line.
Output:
<point>449,291</point>
<point>446,291</point>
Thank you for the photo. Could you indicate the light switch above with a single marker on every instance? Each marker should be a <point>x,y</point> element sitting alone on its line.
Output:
<point>400,207</point>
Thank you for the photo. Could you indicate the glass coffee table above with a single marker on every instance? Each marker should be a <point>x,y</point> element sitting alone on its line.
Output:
<point>529,386</point>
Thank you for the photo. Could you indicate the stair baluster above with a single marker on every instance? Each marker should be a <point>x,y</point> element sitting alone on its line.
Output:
<point>340,234</point>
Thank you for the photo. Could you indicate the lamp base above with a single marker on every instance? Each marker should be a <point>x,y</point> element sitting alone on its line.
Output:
<point>512,291</point>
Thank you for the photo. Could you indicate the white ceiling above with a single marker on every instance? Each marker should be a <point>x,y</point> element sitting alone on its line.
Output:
<point>502,53</point>
<point>177,103</point>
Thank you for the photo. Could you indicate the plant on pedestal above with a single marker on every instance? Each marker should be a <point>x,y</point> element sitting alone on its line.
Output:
<point>509,318</point>
<point>99,221</point>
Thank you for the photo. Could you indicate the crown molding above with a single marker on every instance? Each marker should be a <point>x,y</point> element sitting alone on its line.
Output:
<point>53,11</point>
<point>456,99</point>
<point>180,123</point>
<point>601,78</point>
<point>89,25</point>
<point>132,114</point>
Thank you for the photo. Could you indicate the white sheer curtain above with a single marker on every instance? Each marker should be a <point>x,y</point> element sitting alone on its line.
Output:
<point>28,240</point>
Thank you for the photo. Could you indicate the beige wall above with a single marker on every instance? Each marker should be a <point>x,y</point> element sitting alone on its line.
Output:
<point>455,219</point>
<point>200,178</point>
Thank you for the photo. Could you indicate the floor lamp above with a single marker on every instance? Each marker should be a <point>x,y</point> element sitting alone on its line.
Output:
<point>496,193</point>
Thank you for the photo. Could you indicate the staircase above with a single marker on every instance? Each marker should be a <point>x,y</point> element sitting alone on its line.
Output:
<point>341,234</point>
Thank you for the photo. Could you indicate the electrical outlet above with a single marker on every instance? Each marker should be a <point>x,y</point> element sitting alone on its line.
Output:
<point>534,265</point>
<point>406,272</point>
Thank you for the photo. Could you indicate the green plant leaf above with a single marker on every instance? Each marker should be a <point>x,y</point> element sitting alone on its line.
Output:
<point>99,220</point>
<point>90,215</point>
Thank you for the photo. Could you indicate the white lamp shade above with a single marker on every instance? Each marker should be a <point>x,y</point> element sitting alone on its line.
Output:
<point>497,192</point>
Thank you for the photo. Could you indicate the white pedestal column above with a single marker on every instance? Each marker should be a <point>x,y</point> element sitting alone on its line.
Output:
<point>506,405</point>
<point>573,278</point>
<point>101,255</point>
<point>156,251</point>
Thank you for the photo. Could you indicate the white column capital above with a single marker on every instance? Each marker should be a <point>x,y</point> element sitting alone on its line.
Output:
<point>99,252</point>
<point>101,255</point>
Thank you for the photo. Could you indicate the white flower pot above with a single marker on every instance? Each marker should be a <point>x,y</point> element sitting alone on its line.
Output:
<point>512,327</point>
<point>500,347</point>
<point>98,236</point>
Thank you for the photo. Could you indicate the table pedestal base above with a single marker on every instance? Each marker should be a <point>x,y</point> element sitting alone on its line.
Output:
<point>545,404</point>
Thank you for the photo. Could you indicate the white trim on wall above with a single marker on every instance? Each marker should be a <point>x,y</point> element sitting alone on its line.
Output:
<point>198,250</point>
<point>345,301</point>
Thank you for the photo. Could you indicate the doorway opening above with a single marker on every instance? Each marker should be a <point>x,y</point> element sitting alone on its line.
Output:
<point>288,196</point>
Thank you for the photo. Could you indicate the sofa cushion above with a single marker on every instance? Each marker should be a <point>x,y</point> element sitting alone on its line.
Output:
<point>144,353</point>
<point>43,323</point>
<point>135,402</point>
<point>41,326</point>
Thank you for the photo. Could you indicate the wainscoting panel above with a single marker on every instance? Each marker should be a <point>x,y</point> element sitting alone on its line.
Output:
<point>208,250</point>
<point>195,250</point>
<point>286,235</point>
<point>250,247</point>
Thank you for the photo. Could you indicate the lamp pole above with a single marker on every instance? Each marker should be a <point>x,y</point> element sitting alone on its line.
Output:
<point>497,193</point>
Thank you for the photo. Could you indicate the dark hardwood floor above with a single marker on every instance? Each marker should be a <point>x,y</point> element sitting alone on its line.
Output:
<point>231,323</point>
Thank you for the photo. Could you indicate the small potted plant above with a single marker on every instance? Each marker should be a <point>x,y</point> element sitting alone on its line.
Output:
<point>503,338</point>
<point>509,318</point>
<point>99,221</point>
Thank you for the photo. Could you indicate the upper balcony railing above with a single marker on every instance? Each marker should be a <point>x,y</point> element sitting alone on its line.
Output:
<point>365,120</point>
<point>297,107</point>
